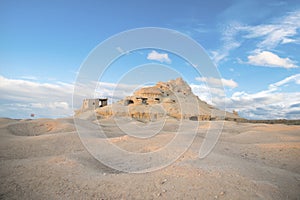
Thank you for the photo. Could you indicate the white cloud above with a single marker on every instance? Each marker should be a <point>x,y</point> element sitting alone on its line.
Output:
<point>29,78</point>
<point>114,91</point>
<point>269,59</point>
<point>203,92</point>
<point>229,43</point>
<point>229,83</point>
<point>209,95</point>
<point>262,105</point>
<point>119,49</point>
<point>218,82</point>
<point>294,78</point>
<point>31,91</point>
<point>161,57</point>
<point>56,105</point>
<point>268,104</point>
<point>41,110</point>
<point>282,31</point>
<point>20,97</point>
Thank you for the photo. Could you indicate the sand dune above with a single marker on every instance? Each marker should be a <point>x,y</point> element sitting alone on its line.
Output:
<point>45,159</point>
<point>40,127</point>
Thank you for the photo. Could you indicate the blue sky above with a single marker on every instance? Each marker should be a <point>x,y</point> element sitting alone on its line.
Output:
<point>254,45</point>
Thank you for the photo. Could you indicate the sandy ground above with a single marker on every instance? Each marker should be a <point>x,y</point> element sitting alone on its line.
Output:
<point>45,159</point>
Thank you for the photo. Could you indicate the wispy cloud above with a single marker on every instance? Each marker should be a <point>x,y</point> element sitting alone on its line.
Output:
<point>265,37</point>
<point>282,31</point>
<point>29,78</point>
<point>119,49</point>
<point>291,79</point>
<point>229,42</point>
<point>161,57</point>
<point>218,82</point>
<point>190,26</point>
<point>269,59</point>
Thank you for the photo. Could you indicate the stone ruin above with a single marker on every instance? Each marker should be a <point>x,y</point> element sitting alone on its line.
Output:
<point>165,99</point>
<point>93,104</point>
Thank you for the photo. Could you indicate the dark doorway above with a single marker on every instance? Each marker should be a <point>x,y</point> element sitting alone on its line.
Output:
<point>128,101</point>
<point>194,118</point>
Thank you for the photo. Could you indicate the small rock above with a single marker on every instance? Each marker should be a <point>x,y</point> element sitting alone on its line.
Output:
<point>164,181</point>
<point>159,194</point>
<point>222,193</point>
<point>164,191</point>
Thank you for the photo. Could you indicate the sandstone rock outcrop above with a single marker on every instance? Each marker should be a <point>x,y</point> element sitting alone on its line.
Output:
<point>173,99</point>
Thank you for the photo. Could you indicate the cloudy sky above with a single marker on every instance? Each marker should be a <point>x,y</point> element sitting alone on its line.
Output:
<point>254,44</point>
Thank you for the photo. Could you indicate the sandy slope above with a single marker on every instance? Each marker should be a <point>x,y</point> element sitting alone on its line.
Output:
<point>45,159</point>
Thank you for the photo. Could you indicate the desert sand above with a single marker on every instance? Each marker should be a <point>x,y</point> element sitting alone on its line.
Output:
<point>45,159</point>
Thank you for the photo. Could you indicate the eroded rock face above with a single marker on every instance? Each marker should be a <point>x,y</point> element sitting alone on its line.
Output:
<point>162,92</point>
<point>173,98</point>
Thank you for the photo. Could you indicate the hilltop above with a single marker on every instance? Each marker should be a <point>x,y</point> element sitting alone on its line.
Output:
<point>173,98</point>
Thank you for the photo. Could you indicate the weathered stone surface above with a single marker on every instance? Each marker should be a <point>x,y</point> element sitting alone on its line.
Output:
<point>173,98</point>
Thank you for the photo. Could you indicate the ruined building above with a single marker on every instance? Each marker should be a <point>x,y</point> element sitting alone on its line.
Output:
<point>92,104</point>
<point>173,98</point>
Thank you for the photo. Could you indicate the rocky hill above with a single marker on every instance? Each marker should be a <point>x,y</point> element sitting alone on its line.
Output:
<point>166,99</point>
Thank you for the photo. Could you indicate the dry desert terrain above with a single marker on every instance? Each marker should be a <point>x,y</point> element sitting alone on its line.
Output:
<point>45,159</point>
